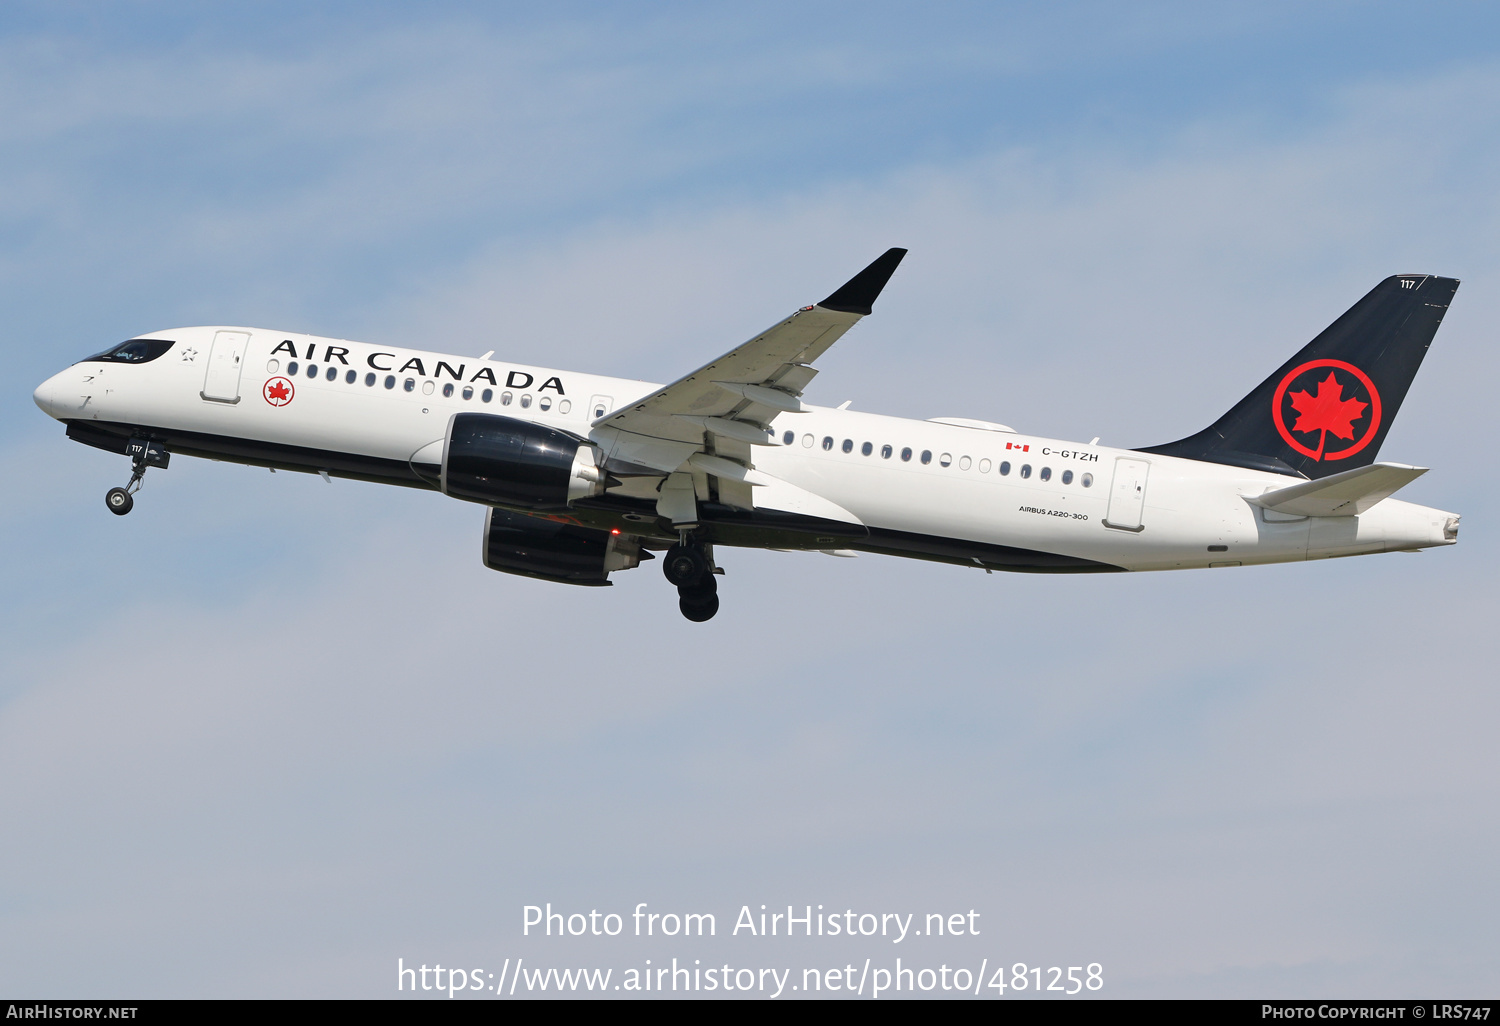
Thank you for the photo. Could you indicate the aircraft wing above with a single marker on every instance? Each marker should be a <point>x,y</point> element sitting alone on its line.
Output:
<point>725,407</point>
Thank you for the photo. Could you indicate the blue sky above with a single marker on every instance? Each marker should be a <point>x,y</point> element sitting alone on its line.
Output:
<point>265,735</point>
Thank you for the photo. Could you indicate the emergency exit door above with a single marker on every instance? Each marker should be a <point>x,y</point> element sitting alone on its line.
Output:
<point>1127,495</point>
<point>221,382</point>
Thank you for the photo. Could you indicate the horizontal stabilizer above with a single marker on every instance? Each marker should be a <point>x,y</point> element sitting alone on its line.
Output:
<point>1340,495</point>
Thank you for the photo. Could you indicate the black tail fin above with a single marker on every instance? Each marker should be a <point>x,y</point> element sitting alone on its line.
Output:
<point>1329,407</point>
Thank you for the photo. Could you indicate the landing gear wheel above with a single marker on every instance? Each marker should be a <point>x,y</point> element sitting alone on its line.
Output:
<point>698,606</point>
<point>699,602</point>
<point>119,501</point>
<point>702,590</point>
<point>685,565</point>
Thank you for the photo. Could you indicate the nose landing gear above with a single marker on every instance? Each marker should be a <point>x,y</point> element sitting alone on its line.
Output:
<point>119,500</point>
<point>143,454</point>
<point>690,567</point>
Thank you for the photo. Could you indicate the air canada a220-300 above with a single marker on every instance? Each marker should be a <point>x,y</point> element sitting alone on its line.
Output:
<point>583,476</point>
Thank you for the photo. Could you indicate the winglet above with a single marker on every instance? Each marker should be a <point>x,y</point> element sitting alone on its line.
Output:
<point>857,295</point>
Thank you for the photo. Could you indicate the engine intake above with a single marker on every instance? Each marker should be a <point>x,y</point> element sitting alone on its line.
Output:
<point>549,550</point>
<point>510,462</point>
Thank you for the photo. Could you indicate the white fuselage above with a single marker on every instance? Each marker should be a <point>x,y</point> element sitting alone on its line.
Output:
<point>995,487</point>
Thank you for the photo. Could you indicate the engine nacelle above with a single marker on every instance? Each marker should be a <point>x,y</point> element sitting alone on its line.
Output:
<point>510,462</point>
<point>550,550</point>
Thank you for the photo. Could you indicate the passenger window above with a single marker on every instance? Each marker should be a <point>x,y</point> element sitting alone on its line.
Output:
<point>984,466</point>
<point>964,463</point>
<point>885,452</point>
<point>333,374</point>
<point>1026,470</point>
<point>369,380</point>
<point>848,445</point>
<point>409,384</point>
<point>1046,474</point>
<point>447,390</point>
<point>291,367</point>
<point>1067,477</point>
<point>564,406</point>
<point>926,456</point>
<point>598,411</point>
<point>1004,468</point>
<point>789,438</point>
<point>390,381</point>
<point>468,392</point>
<point>350,377</point>
<point>946,459</point>
<point>807,441</point>
<point>427,387</point>
<point>487,395</point>
<point>526,401</point>
<point>272,366</point>
<point>866,449</point>
<point>827,443</point>
<point>505,398</point>
<point>1086,480</point>
<point>312,370</point>
<point>906,455</point>
<point>545,403</point>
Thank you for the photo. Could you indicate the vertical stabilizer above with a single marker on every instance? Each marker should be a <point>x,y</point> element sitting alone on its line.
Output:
<point>1327,409</point>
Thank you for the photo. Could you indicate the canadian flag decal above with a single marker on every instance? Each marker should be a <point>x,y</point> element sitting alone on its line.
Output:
<point>1017,445</point>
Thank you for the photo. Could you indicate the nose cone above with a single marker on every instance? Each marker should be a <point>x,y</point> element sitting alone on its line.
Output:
<point>43,396</point>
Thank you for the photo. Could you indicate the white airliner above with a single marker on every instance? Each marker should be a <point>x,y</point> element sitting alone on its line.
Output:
<point>585,475</point>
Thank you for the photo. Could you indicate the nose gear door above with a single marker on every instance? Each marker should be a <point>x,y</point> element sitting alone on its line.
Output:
<point>221,382</point>
<point>1127,495</point>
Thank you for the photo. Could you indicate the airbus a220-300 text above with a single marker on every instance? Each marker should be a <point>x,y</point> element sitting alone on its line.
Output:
<point>582,476</point>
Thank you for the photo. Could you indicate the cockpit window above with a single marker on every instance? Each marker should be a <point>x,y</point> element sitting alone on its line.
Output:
<point>137,350</point>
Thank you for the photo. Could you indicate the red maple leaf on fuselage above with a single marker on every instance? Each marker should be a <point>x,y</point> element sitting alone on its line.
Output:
<point>277,391</point>
<point>1326,411</point>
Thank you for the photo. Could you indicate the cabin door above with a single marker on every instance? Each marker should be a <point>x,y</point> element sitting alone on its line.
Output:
<point>221,383</point>
<point>1127,495</point>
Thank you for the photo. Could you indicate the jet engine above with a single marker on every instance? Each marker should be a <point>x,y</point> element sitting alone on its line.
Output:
<point>515,463</point>
<point>550,550</point>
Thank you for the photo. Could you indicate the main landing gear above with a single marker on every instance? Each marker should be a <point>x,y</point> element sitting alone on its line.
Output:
<point>690,567</point>
<point>143,454</point>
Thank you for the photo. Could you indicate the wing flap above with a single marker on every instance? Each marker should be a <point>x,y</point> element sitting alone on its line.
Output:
<point>739,430</point>
<point>657,452</point>
<point>774,493</point>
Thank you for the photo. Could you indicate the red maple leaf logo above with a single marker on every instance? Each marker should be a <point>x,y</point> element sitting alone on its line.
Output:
<point>1326,411</point>
<point>279,391</point>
